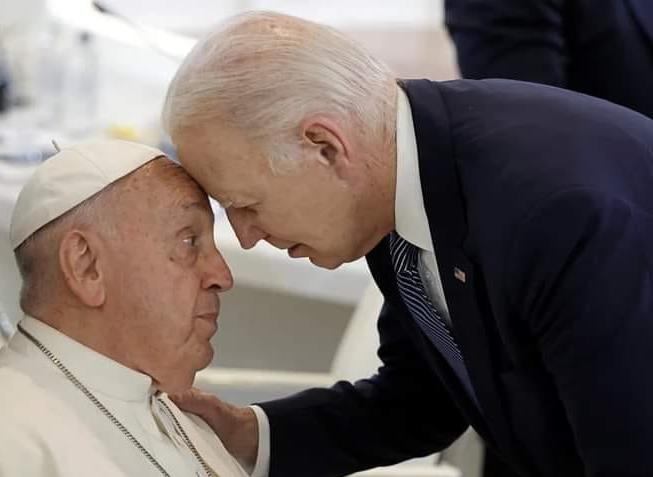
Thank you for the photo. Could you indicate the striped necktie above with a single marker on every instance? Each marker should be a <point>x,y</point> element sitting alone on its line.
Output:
<point>404,260</point>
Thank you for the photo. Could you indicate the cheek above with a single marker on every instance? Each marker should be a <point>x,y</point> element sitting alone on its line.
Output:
<point>166,300</point>
<point>179,293</point>
<point>169,328</point>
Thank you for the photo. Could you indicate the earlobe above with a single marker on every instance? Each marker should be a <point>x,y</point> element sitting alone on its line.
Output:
<point>80,267</point>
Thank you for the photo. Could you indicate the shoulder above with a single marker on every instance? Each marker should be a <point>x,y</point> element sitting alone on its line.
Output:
<point>24,446</point>
<point>29,401</point>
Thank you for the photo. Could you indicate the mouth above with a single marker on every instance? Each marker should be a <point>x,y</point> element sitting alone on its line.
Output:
<point>209,316</point>
<point>211,319</point>
<point>209,309</point>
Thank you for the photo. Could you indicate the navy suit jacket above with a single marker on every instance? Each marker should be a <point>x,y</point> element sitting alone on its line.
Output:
<point>540,205</point>
<point>599,47</point>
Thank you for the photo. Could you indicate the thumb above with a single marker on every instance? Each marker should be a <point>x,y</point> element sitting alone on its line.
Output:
<point>236,427</point>
<point>197,402</point>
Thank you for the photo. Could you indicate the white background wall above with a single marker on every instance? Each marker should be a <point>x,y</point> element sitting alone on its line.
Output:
<point>196,15</point>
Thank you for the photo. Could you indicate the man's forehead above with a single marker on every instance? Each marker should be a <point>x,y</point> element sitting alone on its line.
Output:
<point>216,147</point>
<point>163,185</point>
<point>191,202</point>
<point>187,196</point>
<point>228,167</point>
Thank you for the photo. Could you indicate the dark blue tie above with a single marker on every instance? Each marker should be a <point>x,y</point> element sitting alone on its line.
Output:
<point>405,259</point>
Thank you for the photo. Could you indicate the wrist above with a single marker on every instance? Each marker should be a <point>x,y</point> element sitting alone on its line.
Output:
<point>248,435</point>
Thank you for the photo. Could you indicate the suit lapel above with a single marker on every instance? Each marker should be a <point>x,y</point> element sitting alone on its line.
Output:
<point>447,220</point>
<point>384,275</point>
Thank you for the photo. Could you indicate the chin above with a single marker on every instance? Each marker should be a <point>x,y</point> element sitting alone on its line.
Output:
<point>208,358</point>
<point>183,376</point>
<point>329,265</point>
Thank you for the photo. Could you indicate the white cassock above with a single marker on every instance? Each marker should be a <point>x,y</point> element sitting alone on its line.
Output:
<point>49,428</point>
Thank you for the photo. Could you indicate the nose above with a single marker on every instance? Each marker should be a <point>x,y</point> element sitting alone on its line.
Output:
<point>216,273</point>
<point>243,224</point>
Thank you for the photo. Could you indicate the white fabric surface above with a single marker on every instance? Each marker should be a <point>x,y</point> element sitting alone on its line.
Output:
<point>50,429</point>
<point>411,222</point>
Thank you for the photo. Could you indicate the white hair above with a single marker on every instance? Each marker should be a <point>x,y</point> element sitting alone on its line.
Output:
<point>264,73</point>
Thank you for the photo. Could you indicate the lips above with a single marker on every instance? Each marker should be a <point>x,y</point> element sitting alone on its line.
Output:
<point>209,316</point>
<point>209,306</point>
<point>209,324</point>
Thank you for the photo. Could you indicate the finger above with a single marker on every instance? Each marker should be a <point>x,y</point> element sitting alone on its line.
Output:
<point>197,402</point>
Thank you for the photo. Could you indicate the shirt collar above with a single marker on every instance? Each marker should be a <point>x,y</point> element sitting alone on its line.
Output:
<point>92,369</point>
<point>411,222</point>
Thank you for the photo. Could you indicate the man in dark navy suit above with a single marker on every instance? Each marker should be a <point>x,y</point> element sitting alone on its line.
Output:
<point>603,48</point>
<point>508,225</point>
<point>599,47</point>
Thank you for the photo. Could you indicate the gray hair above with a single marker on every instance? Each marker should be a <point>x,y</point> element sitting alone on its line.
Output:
<point>38,255</point>
<point>265,72</point>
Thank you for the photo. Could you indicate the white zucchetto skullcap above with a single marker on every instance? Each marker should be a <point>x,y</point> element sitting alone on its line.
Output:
<point>71,176</point>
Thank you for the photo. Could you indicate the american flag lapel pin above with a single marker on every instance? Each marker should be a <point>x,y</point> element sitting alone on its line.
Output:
<point>459,274</point>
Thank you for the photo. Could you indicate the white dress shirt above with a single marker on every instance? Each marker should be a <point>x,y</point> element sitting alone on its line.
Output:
<point>411,223</point>
<point>49,428</point>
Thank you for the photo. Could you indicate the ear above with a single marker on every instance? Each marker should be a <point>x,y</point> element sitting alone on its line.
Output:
<point>327,143</point>
<point>79,253</point>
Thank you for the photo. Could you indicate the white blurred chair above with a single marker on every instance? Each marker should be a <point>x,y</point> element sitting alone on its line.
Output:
<point>355,358</point>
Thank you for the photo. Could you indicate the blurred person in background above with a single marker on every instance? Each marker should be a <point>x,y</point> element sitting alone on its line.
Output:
<point>603,48</point>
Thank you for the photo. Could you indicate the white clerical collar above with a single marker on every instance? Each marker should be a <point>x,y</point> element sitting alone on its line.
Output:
<point>94,370</point>
<point>411,222</point>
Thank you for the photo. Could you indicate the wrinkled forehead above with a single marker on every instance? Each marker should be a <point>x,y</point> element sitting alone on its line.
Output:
<point>163,185</point>
<point>223,160</point>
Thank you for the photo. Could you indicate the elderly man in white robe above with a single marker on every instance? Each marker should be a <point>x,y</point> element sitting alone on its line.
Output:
<point>121,278</point>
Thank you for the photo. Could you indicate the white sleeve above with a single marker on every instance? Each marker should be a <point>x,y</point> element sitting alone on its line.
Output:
<point>262,466</point>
